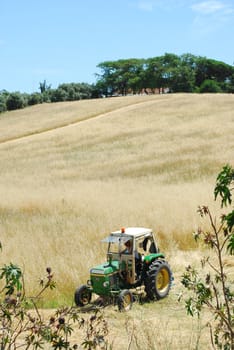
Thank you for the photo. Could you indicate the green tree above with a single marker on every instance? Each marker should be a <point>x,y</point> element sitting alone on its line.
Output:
<point>77,91</point>
<point>183,79</point>
<point>43,86</point>
<point>214,289</point>
<point>185,73</point>
<point>106,81</point>
<point>45,90</point>
<point>209,85</point>
<point>209,69</point>
<point>122,76</point>
<point>153,77</point>
<point>34,98</point>
<point>229,84</point>
<point>58,95</point>
<point>15,100</point>
<point>3,97</point>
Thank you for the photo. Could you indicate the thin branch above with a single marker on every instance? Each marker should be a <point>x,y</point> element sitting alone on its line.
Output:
<point>213,267</point>
<point>211,335</point>
<point>216,296</point>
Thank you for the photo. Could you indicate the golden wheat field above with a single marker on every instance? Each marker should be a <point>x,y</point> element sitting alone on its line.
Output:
<point>72,172</point>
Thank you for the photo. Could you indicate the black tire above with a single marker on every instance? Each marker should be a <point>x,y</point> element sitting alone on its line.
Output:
<point>125,300</point>
<point>158,280</point>
<point>82,295</point>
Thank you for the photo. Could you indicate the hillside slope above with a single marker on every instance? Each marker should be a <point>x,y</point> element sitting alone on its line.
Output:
<point>184,125</point>
<point>41,118</point>
<point>71,172</point>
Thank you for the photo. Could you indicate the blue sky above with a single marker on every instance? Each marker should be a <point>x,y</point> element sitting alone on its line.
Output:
<point>63,41</point>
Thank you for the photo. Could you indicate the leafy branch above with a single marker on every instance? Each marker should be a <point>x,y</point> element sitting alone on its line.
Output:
<point>215,290</point>
<point>23,326</point>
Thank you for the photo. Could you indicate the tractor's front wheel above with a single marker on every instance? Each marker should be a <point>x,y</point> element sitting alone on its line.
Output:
<point>82,295</point>
<point>125,300</point>
<point>158,280</point>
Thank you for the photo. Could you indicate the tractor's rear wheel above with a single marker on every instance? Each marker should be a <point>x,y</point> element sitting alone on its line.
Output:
<point>125,300</point>
<point>82,295</point>
<point>158,280</point>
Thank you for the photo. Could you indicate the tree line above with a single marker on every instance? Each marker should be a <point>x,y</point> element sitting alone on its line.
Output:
<point>171,73</point>
<point>65,92</point>
<point>167,73</point>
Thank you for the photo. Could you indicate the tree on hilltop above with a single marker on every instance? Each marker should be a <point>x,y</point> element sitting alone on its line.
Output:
<point>43,87</point>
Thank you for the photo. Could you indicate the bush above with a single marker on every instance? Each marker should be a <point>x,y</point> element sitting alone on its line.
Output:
<point>215,290</point>
<point>23,326</point>
<point>58,95</point>
<point>15,100</point>
<point>209,85</point>
<point>76,91</point>
<point>35,98</point>
<point>3,106</point>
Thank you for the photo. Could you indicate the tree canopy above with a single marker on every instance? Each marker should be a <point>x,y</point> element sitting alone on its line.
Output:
<point>185,73</point>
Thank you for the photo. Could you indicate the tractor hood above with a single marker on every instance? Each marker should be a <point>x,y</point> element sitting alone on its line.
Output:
<point>105,269</point>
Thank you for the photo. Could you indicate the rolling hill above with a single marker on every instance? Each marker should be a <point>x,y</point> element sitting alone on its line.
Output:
<point>71,172</point>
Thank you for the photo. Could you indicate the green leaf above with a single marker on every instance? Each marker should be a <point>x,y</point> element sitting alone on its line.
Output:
<point>230,246</point>
<point>229,218</point>
<point>12,274</point>
<point>223,182</point>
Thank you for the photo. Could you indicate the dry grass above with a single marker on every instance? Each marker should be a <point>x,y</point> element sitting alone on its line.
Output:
<point>43,117</point>
<point>93,166</point>
<point>149,161</point>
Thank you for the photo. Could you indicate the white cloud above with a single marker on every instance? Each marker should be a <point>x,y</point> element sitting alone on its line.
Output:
<point>212,7</point>
<point>146,5</point>
<point>221,10</point>
<point>207,7</point>
<point>211,16</point>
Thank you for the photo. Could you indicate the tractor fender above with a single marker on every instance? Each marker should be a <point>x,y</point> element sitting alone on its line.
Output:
<point>148,259</point>
<point>151,257</point>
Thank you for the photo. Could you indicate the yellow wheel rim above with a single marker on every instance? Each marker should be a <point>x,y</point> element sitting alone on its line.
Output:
<point>162,280</point>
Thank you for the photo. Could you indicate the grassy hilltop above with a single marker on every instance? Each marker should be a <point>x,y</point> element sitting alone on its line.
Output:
<point>71,172</point>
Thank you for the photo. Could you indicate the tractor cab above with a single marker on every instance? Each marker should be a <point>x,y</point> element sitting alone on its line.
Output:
<point>129,246</point>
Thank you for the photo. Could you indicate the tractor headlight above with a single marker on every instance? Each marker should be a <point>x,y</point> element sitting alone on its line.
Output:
<point>106,284</point>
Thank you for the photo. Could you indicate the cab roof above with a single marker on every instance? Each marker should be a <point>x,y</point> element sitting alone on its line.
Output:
<point>132,231</point>
<point>127,233</point>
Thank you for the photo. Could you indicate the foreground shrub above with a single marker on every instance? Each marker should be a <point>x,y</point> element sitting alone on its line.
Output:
<point>214,289</point>
<point>23,326</point>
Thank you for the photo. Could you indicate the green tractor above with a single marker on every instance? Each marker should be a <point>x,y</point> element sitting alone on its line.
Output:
<point>133,263</point>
